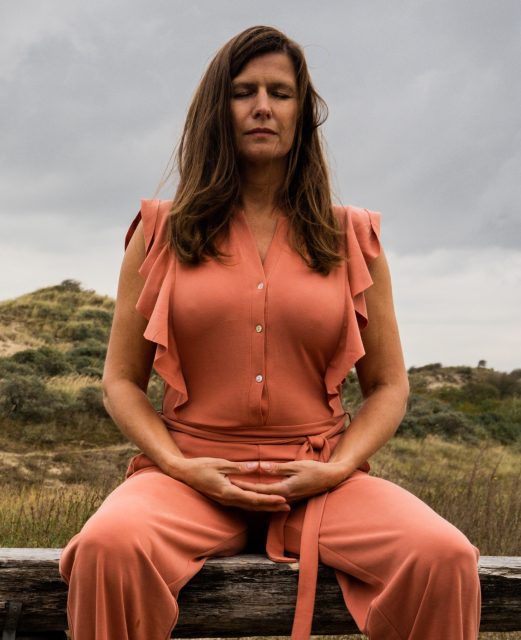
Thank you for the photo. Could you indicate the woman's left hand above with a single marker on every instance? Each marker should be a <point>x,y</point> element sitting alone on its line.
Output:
<point>304,478</point>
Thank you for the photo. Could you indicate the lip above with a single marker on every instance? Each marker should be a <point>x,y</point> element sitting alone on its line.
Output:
<point>261,130</point>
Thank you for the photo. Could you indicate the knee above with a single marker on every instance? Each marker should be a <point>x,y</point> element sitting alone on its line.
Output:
<point>448,551</point>
<point>104,546</point>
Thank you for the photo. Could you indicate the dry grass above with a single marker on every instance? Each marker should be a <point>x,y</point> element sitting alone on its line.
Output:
<point>39,517</point>
<point>72,382</point>
<point>13,340</point>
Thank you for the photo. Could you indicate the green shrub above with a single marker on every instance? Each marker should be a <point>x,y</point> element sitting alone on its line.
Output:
<point>90,401</point>
<point>70,285</point>
<point>101,316</point>
<point>497,427</point>
<point>9,367</point>
<point>432,416</point>
<point>88,358</point>
<point>47,312</point>
<point>472,397</point>
<point>26,399</point>
<point>433,366</point>
<point>507,384</point>
<point>44,360</point>
<point>91,349</point>
<point>80,331</point>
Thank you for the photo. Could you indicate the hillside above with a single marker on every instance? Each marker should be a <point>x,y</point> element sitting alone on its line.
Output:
<point>52,348</point>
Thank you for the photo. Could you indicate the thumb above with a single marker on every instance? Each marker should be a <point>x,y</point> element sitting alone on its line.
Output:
<point>270,467</point>
<point>248,466</point>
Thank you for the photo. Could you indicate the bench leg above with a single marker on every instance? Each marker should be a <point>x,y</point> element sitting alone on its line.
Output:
<point>12,619</point>
<point>14,610</point>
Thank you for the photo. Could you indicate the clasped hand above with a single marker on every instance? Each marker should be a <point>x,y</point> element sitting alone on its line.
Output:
<point>301,479</point>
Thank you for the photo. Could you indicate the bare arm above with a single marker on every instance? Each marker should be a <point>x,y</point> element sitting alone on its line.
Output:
<point>382,376</point>
<point>128,365</point>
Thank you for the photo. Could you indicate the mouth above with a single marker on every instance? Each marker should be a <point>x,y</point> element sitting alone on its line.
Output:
<point>261,131</point>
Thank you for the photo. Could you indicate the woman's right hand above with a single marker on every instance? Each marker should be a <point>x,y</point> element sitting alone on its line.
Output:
<point>209,476</point>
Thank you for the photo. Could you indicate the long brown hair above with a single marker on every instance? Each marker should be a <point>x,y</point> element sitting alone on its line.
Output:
<point>209,179</point>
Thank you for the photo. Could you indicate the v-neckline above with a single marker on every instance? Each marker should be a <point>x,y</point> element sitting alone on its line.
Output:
<point>269,252</point>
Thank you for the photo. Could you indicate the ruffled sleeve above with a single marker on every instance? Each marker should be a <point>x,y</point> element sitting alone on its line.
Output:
<point>362,243</point>
<point>155,302</point>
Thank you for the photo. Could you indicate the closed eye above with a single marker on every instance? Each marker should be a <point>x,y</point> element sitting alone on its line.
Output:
<point>275,94</point>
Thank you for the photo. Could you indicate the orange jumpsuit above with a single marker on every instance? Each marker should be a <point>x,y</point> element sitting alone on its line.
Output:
<point>253,356</point>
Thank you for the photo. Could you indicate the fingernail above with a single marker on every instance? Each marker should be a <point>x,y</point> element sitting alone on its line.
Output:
<point>267,465</point>
<point>250,465</point>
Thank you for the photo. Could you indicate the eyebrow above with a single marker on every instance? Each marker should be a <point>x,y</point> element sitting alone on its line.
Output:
<point>271,85</point>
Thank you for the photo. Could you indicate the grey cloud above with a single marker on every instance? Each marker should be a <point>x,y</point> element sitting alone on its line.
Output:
<point>424,107</point>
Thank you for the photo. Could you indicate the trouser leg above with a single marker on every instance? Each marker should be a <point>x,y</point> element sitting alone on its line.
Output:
<point>405,572</point>
<point>126,566</point>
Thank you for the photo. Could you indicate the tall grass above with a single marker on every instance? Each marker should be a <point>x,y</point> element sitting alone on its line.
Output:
<point>35,516</point>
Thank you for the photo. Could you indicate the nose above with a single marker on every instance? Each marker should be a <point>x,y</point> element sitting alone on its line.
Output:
<point>262,105</point>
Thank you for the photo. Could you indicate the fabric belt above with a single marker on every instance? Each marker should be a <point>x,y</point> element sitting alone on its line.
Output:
<point>308,556</point>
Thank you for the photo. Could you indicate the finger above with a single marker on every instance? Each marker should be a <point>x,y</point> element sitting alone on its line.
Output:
<point>277,468</point>
<point>275,488</point>
<point>254,497</point>
<point>248,466</point>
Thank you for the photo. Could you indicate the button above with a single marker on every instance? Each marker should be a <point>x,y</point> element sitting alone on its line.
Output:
<point>260,285</point>
<point>258,328</point>
<point>259,378</point>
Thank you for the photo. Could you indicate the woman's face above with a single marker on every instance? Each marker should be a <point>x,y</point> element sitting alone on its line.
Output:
<point>264,95</point>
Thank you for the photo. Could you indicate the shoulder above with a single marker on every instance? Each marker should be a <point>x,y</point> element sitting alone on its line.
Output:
<point>361,219</point>
<point>153,216</point>
<point>362,227</point>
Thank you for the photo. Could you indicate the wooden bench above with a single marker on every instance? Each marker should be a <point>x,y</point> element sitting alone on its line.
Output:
<point>246,595</point>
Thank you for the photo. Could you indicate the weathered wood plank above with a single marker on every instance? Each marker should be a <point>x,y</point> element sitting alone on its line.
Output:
<point>239,596</point>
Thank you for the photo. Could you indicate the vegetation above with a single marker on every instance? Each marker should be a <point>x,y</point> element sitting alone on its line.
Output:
<point>52,347</point>
<point>465,404</point>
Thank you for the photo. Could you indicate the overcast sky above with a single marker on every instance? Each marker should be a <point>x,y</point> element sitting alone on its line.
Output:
<point>424,126</point>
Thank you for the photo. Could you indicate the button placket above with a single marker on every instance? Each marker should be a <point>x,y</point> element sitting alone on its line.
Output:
<point>258,328</point>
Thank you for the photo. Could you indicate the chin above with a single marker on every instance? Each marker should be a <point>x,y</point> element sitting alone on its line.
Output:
<point>261,158</point>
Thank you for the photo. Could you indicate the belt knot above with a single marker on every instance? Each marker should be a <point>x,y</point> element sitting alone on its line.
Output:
<point>316,442</point>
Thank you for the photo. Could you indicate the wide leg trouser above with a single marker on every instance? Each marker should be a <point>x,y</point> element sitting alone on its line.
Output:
<point>405,572</point>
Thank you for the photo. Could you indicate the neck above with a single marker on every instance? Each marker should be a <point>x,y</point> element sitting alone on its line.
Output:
<point>259,186</point>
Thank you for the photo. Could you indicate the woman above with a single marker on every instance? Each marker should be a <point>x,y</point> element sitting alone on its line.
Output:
<point>239,294</point>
